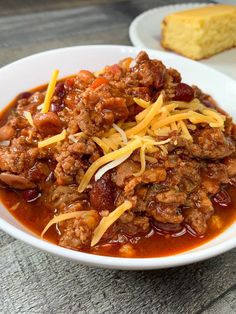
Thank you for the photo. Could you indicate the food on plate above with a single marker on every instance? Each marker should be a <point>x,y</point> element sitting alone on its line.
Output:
<point>202,32</point>
<point>128,161</point>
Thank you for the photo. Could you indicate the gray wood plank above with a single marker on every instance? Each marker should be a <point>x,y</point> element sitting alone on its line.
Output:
<point>29,26</point>
<point>5,239</point>
<point>34,282</point>
<point>224,303</point>
<point>12,7</point>
<point>117,36</point>
<point>36,27</point>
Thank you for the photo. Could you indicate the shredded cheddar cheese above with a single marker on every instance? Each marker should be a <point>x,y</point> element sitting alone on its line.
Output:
<point>142,103</point>
<point>157,119</point>
<point>142,161</point>
<point>53,139</point>
<point>154,108</point>
<point>28,117</point>
<point>151,159</point>
<point>141,115</point>
<point>129,148</point>
<point>14,207</point>
<point>218,117</point>
<point>122,133</point>
<point>127,125</point>
<point>110,166</point>
<point>173,126</point>
<point>164,151</point>
<point>102,144</point>
<point>166,121</point>
<point>60,218</point>
<point>111,143</point>
<point>185,131</point>
<point>50,91</point>
<point>99,72</point>
<point>106,222</point>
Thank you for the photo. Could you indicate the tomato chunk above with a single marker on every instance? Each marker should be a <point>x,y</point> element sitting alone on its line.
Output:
<point>98,82</point>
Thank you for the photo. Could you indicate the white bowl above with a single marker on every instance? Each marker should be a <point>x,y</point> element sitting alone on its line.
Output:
<point>35,70</point>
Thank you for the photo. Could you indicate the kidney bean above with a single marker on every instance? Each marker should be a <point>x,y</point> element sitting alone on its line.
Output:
<point>24,95</point>
<point>38,172</point>
<point>184,92</point>
<point>6,132</point>
<point>222,198</point>
<point>60,89</point>
<point>102,194</point>
<point>48,123</point>
<point>31,195</point>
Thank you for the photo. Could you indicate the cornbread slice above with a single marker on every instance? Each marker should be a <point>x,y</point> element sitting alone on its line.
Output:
<point>202,32</point>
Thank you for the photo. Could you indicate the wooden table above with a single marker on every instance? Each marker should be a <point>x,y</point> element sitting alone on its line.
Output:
<point>35,282</point>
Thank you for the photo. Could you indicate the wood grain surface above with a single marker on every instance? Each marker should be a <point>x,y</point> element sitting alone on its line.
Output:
<point>34,282</point>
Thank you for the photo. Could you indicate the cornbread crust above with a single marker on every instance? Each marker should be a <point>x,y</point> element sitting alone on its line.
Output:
<point>195,21</point>
<point>196,59</point>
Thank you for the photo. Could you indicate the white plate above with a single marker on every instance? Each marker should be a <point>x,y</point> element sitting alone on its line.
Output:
<point>35,70</point>
<point>145,32</point>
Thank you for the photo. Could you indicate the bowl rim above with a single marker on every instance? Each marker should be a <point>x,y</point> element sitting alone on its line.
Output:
<point>121,263</point>
<point>183,258</point>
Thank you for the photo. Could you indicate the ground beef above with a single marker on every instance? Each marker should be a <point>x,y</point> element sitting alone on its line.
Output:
<point>189,175</point>
<point>149,176</point>
<point>171,197</point>
<point>212,144</point>
<point>62,196</point>
<point>99,108</point>
<point>77,233</point>
<point>69,169</point>
<point>12,162</point>
<point>164,213</point>
<point>72,99</point>
<point>125,171</point>
<point>128,225</point>
<point>148,72</point>
<point>19,156</point>
<point>230,164</point>
<point>139,92</point>
<point>136,225</point>
<point>198,210</point>
<point>214,174</point>
<point>114,72</point>
<point>71,166</point>
<point>31,103</point>
<point>7,132</point>
<point>164,206</point>
<point>208,143</point>
<point>196,220</point>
